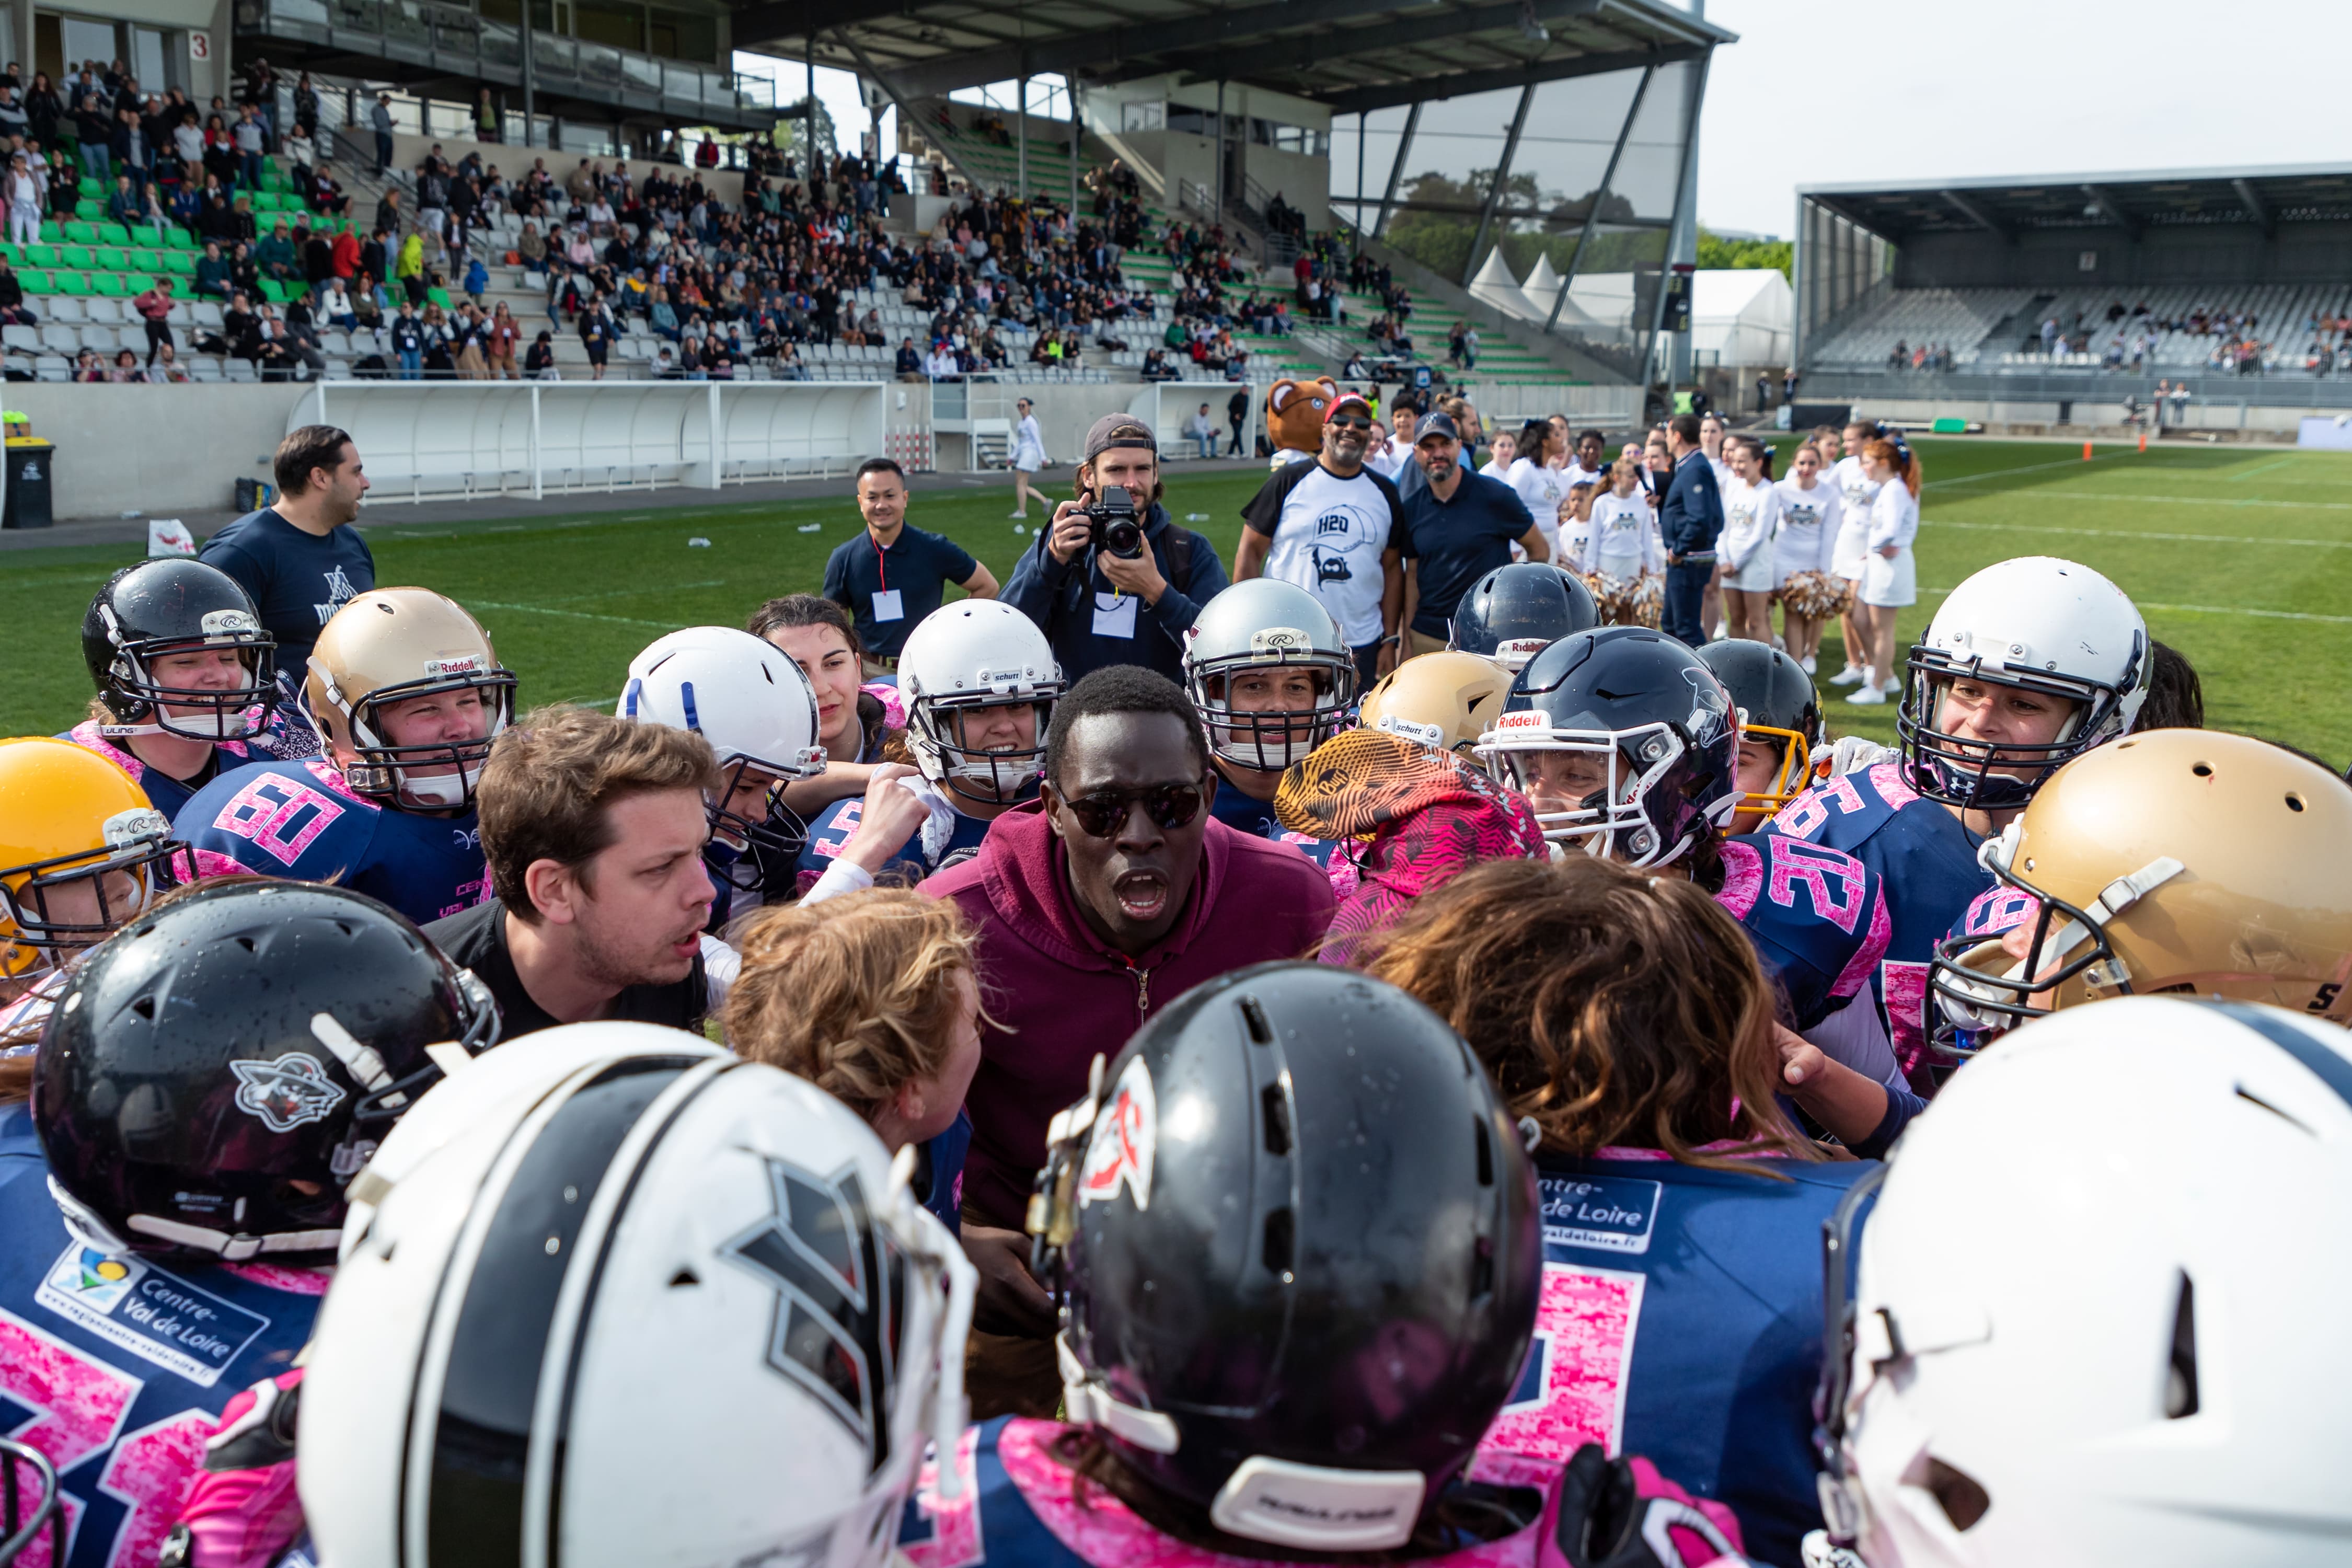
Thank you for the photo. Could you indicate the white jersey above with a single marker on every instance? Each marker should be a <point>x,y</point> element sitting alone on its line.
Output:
<point>1625,541</point>
<point>1328,536</point>
<point>1855,495</point>
<point>1494,468</point>
<point>1809,527</point>
<point>1751,517</point>
<point>1541,491</point>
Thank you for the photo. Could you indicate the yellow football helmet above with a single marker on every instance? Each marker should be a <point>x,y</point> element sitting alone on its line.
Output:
<point>394,644</point>
<point>2178,860</point>
<point>81,851</point>
<point>1442,701</point>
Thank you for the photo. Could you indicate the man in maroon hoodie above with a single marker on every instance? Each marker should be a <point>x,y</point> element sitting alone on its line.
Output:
<point>1097,904</point>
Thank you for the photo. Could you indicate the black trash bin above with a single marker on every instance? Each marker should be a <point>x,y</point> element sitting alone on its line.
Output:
<point>29,457</point>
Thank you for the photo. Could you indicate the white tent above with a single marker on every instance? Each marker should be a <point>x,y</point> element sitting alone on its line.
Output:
<point>1744,316</point>
<point>1542,287</point>
<point>1496,287</point>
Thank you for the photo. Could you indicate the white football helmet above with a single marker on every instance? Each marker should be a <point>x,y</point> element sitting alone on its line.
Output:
<point>2121,1344</point>
<point>2037,623</point>
<point>1268,624</point>
<point>758,711</point>
<point>975,654</point>
<point>620,1297</point>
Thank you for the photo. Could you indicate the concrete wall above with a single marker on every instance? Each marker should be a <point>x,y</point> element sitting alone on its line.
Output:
<point>2222,255</point>
<point>513,159</point>
<point>2086,417</point>
<point>158,450</point>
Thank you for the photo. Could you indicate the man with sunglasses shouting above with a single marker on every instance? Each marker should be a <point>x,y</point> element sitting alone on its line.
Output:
<point>1336,529</point>
<point>1097,905</point>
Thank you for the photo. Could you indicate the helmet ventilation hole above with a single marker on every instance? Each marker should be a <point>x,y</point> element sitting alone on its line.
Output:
<point>1277,1120</point>
<point>683,1276</point>
<point>1261,1032</point>
<point>146,1008</point>
<point>1277,1242</point>
<point>2293,802</point>
<point>1486,1155</point>
<point>2181,1379</point>
<point>1961,1497</point>
<point>2202,770</point>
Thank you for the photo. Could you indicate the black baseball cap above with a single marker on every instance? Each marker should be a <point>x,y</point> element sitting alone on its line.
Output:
<point>1437,425</point>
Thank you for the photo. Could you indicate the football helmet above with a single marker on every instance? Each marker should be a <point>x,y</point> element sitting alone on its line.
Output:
<point>2117,1348</point>
<point>213,1075</point>
<point>393,644</point>
<point>160,608</point>
<point>1660,722</point>
<point>1263,624</point>
<point>41,1513</point>
<point>1775,700</point>
<point>2039,625</point>
<point>1515,611</point>
<point>2179,861</point>
<point>974,654</point>
<point>758,711</point>
<point>1306,1346</point>
<point>1442,701</point>
<point>481,1377</point>
<point>81,851</point>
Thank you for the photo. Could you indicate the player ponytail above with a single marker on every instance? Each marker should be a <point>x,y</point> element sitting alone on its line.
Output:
<point>1612,1007</point>
<point>1896,454</point>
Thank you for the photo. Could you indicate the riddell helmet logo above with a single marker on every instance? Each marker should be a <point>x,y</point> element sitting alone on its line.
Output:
<point>1525,718</point>
<point>1521,648</point>
<point>456,664</point>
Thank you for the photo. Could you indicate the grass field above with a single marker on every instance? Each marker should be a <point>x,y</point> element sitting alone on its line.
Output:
<point>2242,560</point>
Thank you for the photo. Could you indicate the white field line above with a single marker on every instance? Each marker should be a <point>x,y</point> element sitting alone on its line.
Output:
<point>2124,533</point>
<point>2218,610</point>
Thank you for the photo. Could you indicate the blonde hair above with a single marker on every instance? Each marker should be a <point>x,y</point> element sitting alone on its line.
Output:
<point>857,994</point>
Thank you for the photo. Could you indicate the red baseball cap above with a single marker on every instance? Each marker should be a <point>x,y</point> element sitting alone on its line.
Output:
<point>1342,401</point>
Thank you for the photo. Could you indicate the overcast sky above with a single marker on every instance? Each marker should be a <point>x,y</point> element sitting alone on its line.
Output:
<point>1821,92</point>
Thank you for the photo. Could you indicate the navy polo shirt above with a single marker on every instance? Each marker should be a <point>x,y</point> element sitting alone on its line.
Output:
<point>886,591</point>
<point>1459,541</point>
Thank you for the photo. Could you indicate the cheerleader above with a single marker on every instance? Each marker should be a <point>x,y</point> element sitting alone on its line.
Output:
<point>1811,514</point>
<point>1889,574</point>
<point>1506,447</point>
<point>1855,492</point>
<point>1534,474</point>
<point>1625,559</point>
<point>1711,430</point>
<point>1576,521</point>
<point>1752,512</point>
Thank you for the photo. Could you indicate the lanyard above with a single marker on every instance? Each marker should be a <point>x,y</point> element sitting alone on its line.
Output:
<point>880,559</point>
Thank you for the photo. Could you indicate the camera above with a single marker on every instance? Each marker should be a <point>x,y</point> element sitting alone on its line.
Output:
<point>1116,527</point>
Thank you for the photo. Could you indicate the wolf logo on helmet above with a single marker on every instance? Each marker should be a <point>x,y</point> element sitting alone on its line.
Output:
<point>286,1093</point>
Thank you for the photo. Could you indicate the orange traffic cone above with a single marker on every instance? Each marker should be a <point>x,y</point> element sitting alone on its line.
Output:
<point>2143,440</point>
<point>2087,451</point>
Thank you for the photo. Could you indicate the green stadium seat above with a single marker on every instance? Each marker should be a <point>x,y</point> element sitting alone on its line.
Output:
<point>81,233</point>
<point>106,258</point>
<point>138,259</point>
<point>35,281</point>
<point>439,297</point>
<point>178,263</point>
<point>264,201</point>
<point>88,209</point>
<point>69,283</point>
<point>276,293</point>
<point>74,256</point>
<point>179,239</point>
<point>113,234</point>
<point>41,254</point>
<point>112,284</point>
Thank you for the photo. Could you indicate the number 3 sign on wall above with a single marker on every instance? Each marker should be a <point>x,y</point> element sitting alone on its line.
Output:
<point>200,45</point>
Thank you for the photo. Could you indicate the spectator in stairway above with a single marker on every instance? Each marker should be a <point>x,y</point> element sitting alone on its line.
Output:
<point>153,308</point>
<point>539,360</point>
<point>532,247</point>
<point>335,305</point>
<point>324,193</point>
<point>25,188</point>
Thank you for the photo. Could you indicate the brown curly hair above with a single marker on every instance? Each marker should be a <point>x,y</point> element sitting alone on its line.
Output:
<point>1612,1007</point>
<point>857,994</point>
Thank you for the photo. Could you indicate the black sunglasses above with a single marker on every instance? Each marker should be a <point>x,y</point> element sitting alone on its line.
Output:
<point>1104,812</point>
<point>1352,422</point>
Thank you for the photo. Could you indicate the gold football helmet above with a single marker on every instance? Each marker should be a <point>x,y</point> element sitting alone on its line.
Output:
<point>395,645</point>
<point>2178,860</point>
<point>81,851</point>
<point>1442,701</point>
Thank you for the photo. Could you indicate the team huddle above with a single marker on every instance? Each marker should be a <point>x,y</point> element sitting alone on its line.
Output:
<point>1542,1100</point>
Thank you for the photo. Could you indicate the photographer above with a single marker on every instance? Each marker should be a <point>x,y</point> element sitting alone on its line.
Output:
<point>1112,580</point>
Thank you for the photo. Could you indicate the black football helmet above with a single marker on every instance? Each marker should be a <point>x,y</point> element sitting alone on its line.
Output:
<point>216,1071</point>
<point>160,608</point>
<point>1776,701</point>
<point>1660,722</point>
<point>1295,1240</point>
<point>1515,611</point>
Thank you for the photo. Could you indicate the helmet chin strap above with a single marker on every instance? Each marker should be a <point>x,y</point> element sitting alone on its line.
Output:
<point>91,1231</point>
<point>188,727</point>
<point>438,790</point>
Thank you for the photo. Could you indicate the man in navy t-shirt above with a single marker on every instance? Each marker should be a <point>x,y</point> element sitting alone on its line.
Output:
<point>299,559</point>
<point>1459,526</point>
<point>890,576</point>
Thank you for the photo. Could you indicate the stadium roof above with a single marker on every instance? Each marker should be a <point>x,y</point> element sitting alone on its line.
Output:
<point>2308,192</point>
<point>1352,54</point>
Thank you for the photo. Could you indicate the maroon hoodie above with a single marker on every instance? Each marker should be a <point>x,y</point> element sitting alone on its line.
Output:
<point>1065,997</point>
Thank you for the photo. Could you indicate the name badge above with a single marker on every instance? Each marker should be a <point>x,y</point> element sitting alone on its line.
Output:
<point>1610,1214</point>
<point>887,606</point>
<point>1115,615</point>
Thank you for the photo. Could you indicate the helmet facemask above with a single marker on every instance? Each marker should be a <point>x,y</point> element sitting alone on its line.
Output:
<point>141,704</point>
<point>1791,777</point>
<point>1639,816</point>
<point>986,777</point>
<point>1272,740</point>
<point>439,776</point>
<point>51,907</point>
<point>753,847</point>
<point>2002,776</point>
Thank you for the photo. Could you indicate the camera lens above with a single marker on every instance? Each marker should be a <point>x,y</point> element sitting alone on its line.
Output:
<point>1123,536</point>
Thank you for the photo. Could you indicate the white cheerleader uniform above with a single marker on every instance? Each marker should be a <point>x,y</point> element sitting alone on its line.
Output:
<point>1855,495</point>
<point>1752,515</point>
<point>1625,542</point>
<point>1541,490</point>
<point>1893,520</point>
<point>1810,520</point>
